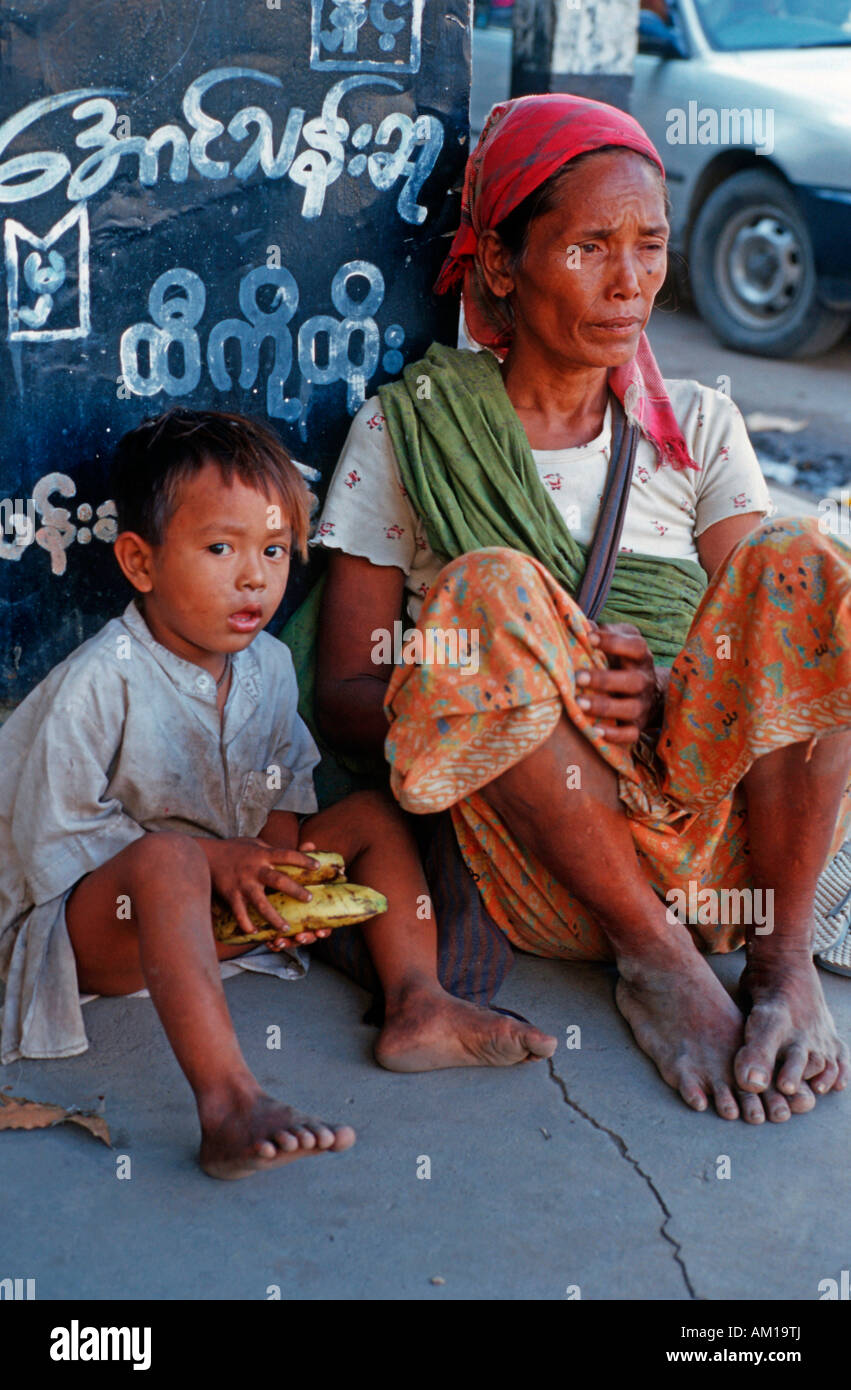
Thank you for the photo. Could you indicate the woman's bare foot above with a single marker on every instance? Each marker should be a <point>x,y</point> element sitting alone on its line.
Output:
<point>684,1019</point>
<point>257,1133</point>
<point>770,1102</point>
<point>426,1029</point>
<point>790,1036</point>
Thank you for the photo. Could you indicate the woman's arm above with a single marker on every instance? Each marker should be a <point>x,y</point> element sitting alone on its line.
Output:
<point>359,598</point>
<point>715,543</point>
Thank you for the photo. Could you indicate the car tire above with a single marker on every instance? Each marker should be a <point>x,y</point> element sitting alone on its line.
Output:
<point>753,273</point>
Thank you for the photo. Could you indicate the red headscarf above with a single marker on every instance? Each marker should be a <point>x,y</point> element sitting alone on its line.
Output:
<point>524,141</point>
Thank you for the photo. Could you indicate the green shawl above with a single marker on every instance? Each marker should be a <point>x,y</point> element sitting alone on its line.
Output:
<point>468,469</point>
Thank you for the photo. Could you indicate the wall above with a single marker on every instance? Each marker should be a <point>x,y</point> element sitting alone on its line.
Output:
<point>232,205</point>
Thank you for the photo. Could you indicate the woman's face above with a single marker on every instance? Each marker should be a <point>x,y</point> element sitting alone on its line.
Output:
<point>592,267</point>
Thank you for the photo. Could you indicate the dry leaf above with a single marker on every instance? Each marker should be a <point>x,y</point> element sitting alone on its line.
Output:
<point>16,1112</point>
<point>95,1124</point>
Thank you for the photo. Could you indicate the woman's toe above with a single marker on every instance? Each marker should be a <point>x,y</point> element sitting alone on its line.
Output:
<point>823,1081</point>
<point>791,1073</point>
<point>693,1093</point>
<point>725,1102</point>
<point>802,1101</point>
<point>777,1106</point>
<point>753,1110</point>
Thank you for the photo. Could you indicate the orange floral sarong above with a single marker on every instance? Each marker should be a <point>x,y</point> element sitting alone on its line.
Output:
<point>767,663</point>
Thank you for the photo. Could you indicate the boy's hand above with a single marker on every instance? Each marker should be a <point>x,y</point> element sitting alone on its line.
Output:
<point>242,869</point>
<point>620,699</point>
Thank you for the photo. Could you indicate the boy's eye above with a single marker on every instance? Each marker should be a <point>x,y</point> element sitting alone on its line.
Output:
<point>278,550</point>
<point>219,547</point>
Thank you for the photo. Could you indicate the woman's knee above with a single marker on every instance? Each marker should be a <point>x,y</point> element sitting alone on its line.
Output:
<point>793,558</point>
<point>488,581</point>
<point>493,567</point>
<point>785,533</point>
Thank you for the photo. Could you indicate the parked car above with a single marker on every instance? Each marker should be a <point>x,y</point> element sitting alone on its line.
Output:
<point>749,103</point>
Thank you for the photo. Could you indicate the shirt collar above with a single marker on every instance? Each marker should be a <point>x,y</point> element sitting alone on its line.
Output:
<point>191,679</point>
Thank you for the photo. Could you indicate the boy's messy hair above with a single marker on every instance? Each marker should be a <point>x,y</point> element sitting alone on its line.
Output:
<point>153,460</point>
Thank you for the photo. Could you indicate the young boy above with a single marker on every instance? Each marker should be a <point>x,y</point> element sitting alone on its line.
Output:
<point>164,760</point>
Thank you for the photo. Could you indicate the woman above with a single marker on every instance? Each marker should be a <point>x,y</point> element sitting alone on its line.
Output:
<point>591,780</point>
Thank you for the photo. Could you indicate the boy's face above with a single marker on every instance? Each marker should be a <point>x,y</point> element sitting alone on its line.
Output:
<point>220,572</point>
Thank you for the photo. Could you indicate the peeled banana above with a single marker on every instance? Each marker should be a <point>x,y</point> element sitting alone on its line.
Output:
<point>334,903</point>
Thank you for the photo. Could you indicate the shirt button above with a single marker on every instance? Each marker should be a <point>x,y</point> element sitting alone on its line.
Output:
<point>203,682</point>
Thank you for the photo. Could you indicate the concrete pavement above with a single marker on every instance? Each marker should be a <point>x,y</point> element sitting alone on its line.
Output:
<point>589,1173</point>
<point>812,392</point>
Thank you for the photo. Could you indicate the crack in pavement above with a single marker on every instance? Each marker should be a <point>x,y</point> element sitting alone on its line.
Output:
<point>624,1152</point>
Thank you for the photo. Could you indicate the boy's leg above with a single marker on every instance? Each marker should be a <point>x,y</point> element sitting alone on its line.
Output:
<point>168,945</point>
<point>425,1027</point>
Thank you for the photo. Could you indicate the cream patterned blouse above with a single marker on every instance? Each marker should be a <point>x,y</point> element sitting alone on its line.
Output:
<point>368,513</point>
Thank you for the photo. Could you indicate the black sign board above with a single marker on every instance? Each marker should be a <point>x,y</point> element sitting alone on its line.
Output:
<point>237,205</point>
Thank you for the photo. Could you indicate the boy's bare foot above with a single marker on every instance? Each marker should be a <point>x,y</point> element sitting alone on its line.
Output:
<point>790,1036</point>
<point>259,1133</point>
<point>684,1019</point>
<point>427,1029</point>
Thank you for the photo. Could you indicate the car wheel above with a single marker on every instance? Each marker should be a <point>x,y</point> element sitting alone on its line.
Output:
<point>752,270</point>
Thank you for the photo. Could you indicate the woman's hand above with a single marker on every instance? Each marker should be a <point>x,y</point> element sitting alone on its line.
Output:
<point>242,869</point>
<point>622,698</point>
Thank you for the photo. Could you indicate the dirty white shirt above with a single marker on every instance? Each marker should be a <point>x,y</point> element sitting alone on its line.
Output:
<point>367,511</point>
<point>121,738</point>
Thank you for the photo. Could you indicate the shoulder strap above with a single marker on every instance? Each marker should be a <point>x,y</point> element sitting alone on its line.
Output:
<point>604,547</point>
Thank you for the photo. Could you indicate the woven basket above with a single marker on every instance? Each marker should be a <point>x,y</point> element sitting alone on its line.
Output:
<point>832,940</point>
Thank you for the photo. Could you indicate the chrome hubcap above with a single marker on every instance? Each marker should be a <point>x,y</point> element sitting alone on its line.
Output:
<point>760,266</point>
